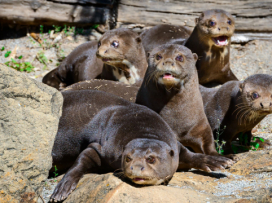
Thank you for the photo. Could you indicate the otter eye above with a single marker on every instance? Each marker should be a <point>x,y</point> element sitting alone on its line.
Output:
<point>229,22</point>
<point>150,159</point>
<point>128,159</point>
<point>255,95</point>
<point>212,23</point>
<point>158,57</point>
<point>99,44</point>
<point>179,58</point>
<point>115,44</point>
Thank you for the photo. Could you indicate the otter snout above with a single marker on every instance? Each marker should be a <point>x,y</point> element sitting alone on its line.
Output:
<point>266,105</point>
<point>100,53</point>
<point>137,169</point>
<point>168,62</point>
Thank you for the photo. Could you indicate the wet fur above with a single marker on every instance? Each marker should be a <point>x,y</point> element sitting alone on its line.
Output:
<point>227,106</point>
<point>83,64</point>
<point>213,62</point>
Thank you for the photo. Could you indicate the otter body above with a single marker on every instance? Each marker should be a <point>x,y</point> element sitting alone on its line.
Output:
<point>127,92</point>
<point>81,64</point>
<point>99,132</point>
<point>118,55</point>
<point>237,106</point>
<point>171,89</point>
<point>210,40</point>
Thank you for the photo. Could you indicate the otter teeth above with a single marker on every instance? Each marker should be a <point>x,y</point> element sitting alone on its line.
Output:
<point>222,43</point>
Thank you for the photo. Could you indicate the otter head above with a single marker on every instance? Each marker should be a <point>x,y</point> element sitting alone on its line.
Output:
<point>171,65</point>
<point>256,93</point>
<point>149,162</point>
<point>215,27</point>
<point>122,49</point>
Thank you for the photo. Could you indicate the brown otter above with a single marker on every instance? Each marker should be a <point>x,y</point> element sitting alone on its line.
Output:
<point>210,40</point>
<point>171,88</point>
<point>81,64</point>
<point>99,132</point>
<point>127,92</point>
<point>119,55</point>
<point>239,106</point>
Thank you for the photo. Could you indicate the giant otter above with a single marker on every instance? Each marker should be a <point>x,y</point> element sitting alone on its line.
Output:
<point>118,55</point>
<point>171,89</point>
<point>238,106</point>
<point>210,40</point>
<point>100,132</point>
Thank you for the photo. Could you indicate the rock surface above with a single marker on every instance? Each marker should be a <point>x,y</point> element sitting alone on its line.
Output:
<point>29,116</point>
<point>249,180</point>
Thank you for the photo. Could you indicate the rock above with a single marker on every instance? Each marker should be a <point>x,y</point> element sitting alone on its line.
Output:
<point>249,180</point>
<point>108,188</point>
<point>29,116</point>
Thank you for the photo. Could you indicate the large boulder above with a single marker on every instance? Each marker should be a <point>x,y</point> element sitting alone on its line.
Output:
<point>29,117</point>
<point>249,180</point>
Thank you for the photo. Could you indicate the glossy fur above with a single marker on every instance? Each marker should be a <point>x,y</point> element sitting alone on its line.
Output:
<point>232,106</point>
<point>213,60</point>
<point>99,132</point>
<point>127,64</point>
<point>127,92</point>
<point>180,105</point>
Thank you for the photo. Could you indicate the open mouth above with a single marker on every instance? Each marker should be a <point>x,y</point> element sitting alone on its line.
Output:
<point>221,40</point>
<point>139,179</point>
<point>168,76</point>
<point>106,59</point>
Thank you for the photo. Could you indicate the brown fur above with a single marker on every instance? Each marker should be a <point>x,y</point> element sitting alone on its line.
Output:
<point>99,132</point>
<point>81,64</point>
<point>213,63</point>
<point>127,64</point>
<point>180,103</point>
<point>127,92</point>
<point>232,106</point>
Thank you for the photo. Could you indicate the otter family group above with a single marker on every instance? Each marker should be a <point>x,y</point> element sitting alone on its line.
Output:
<point>139,103</point>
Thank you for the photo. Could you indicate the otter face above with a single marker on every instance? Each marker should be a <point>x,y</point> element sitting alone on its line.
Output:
<point>172,65</point>
<point>119,48</point>
<point>217,26</point>
<point>257,94</point>
<point>149,162</point>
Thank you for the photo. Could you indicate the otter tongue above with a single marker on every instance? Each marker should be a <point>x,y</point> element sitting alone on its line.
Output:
<point>167,76</point>
<point>222,40</point>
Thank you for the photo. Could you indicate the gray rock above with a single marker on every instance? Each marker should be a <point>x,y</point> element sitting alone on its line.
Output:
<point>29,116</point>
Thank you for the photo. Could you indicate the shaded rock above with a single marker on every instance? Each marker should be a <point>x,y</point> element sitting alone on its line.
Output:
<point>29,116</point>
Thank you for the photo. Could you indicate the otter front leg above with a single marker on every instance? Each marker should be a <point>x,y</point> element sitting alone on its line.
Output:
<point>87,162</point>
<point>201,139</point>
<point>203,162</point>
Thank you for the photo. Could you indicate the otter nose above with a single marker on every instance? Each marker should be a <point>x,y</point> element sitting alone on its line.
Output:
<point>219,28</point>
<point>168,62</point>
<point>137,168</point>
<point>265,105</point>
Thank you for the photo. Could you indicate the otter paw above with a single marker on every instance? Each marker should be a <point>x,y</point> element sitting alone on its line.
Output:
<point>63,189</point>
<point>232,157</point>
<point>215,163</point>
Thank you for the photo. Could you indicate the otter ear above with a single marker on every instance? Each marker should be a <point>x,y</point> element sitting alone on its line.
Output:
<point>196,21</point>
<point>241,86</point>
<point>199,18</point>
<point>195,56</point>
<point>171,153</point>
<point>138,40</point>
